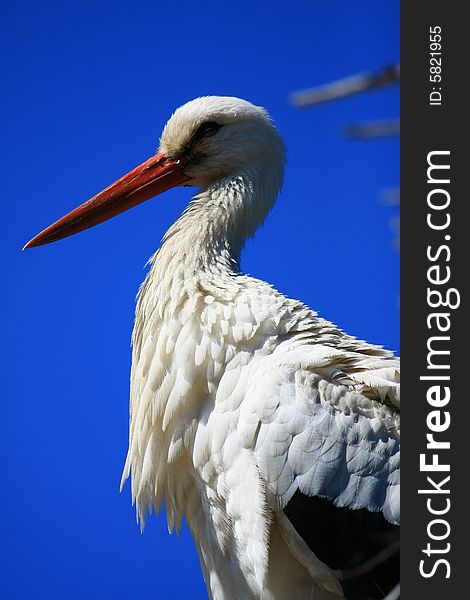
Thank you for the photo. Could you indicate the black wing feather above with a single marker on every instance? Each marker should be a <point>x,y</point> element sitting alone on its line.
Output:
<point>363,544</point>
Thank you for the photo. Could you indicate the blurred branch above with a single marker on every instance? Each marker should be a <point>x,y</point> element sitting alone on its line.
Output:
<point>391,197</point>
<point>393,594</point>
<point>342,88</point>
<point>394,224</point>
<point>347,87</point>
<point>372,562</point>
<point>372,129</point>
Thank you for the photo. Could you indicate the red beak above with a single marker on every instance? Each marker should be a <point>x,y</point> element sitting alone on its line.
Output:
<point>154,176</point>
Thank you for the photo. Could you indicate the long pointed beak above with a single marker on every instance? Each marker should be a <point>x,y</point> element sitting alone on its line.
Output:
<point>154,176</point>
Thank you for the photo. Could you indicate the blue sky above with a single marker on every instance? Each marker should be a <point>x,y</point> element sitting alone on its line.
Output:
<point>87,87</point>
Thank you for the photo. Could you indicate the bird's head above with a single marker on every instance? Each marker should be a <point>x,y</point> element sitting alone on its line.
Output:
<point>220,136</point>
<point>205,140</point>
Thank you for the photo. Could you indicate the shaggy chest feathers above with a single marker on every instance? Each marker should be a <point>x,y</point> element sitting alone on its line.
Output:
<point>239,398</point>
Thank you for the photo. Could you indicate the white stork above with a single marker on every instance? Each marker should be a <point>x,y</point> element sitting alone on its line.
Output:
<point>274,434</point>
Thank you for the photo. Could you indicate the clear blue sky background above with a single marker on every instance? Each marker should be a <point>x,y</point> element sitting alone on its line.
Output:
<point>86,89</point>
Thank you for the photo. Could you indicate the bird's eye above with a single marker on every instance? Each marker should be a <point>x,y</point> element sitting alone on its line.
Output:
<point>204,130</point>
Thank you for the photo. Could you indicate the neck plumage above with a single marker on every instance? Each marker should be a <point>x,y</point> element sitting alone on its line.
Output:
<point>211,232</point>
<point>182,310</point>
<point>200,253</point>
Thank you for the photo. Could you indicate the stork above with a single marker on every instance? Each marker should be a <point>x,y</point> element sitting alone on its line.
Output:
<point>274,433</point>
